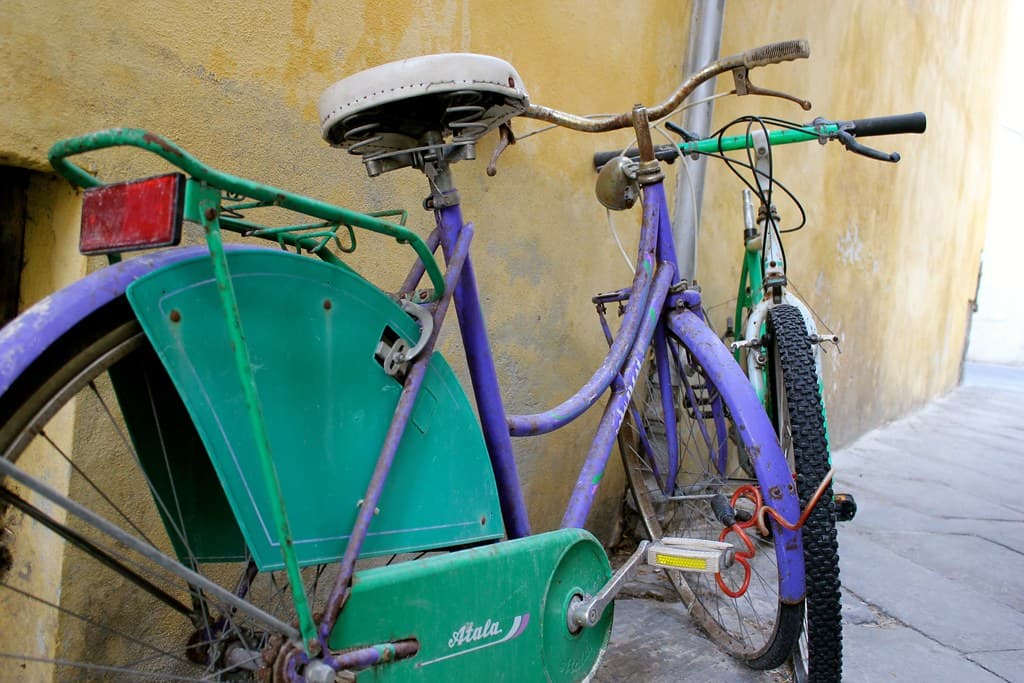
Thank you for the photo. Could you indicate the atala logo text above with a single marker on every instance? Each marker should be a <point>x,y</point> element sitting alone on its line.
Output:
<point>470,633</point>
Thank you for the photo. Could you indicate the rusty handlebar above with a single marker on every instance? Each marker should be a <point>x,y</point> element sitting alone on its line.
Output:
<point>772,53</point>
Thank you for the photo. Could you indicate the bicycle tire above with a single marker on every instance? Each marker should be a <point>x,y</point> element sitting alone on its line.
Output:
<point>797,411</point>
<point>98,622</point>
<point>758,628</point>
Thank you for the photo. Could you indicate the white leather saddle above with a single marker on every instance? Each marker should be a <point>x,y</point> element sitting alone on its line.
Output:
<point>390,108</point>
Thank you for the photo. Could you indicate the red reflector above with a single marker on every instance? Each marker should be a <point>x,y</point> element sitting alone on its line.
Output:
<point>139,214</point>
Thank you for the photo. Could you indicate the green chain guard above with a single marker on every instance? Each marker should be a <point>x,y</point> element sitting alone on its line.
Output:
<point>491,613</point>
<point>311,330</point>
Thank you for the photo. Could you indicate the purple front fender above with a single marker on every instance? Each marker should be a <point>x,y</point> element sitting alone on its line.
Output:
<point>755,430</point>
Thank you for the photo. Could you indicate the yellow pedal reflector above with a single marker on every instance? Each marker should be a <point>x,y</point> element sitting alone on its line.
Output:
<point>698,563</point>
<point>691,555</point>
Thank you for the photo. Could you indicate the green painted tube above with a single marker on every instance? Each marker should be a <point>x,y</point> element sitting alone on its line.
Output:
<point>162,147</point>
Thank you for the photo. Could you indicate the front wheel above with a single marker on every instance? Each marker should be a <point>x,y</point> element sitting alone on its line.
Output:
<point>712,458</point>
<point>796,408</point>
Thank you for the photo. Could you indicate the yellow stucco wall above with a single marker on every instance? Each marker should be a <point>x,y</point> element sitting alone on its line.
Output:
<point>51,261</point>
<point>889,260</point>
<point>890,255</point>
<point>238,87</point>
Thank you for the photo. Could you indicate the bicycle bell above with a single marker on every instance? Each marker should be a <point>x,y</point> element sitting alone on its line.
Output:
<point>617,186</point>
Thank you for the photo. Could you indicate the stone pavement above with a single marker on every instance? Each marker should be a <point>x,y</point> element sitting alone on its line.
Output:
<point>932,567</point>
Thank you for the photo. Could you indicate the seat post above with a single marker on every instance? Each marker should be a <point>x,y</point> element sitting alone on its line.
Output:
<point>437,168</point>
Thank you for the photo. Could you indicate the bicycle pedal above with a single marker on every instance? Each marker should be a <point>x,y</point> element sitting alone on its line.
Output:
<point>691,555</point>
<point>846,507</point>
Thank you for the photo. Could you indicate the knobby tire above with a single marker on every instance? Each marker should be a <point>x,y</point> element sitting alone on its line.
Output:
<point>797,412</point>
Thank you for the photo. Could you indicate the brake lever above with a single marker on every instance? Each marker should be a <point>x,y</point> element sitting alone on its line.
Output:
<point>741,77</point>
<point>851,144</point>
<point>505,138</point>
<point>686,135</point>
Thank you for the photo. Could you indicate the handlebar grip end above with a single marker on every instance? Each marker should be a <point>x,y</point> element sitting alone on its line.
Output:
<point>774,53</point>
<point>602,158</point>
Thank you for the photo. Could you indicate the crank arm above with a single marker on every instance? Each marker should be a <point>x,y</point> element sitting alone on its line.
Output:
<point>585,611</point>
<point>675,554</point>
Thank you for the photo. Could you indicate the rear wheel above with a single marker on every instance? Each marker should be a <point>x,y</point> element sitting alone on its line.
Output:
<point>796,409</point>
<point>756,627</point>
<point>89,605</point>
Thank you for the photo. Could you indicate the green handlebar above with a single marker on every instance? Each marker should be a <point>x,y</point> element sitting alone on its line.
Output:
<point>729,143</point>
<point>164,148</point>
<point>732,143</point>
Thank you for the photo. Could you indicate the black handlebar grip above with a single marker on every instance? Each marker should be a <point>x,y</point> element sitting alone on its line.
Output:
<point>602,158</point>
<point>776,52</point>
<point>889,125</point>
<point>661,152</point>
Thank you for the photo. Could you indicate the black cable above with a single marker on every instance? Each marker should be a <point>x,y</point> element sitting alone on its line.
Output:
<point>732,163</point>
<point>765,196</point>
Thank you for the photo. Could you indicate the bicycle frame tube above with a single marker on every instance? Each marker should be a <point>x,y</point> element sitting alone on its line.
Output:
<point>458,260</point>
<point>484,377</point>
<point>666,252</point>
<point>570,409</point>
<point>749,293</point>
<point>634,413</point>
<point>656,222</point>
<point>597,458</point>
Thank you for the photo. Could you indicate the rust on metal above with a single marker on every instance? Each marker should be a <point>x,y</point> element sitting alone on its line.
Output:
<point>160,142</point>
<point>642,127</point>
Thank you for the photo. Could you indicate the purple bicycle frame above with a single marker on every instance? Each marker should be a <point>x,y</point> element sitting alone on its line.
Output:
<point>652,315</point>
<point>656,314</point>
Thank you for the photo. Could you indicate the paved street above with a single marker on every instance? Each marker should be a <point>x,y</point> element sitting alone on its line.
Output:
<point>932,571</point>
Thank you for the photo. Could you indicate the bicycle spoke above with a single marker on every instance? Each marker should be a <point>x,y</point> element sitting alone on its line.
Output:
<point>92,484</point>
<point>135,456</point>
<point>92,622</point>
<point>710,464</point>
<point>162,676</point>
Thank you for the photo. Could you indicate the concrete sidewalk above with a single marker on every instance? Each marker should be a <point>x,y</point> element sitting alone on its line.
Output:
<point>932,567</point>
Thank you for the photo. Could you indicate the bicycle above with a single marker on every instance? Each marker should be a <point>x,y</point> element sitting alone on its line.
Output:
<point>777,341</point>
<point>262,466</point>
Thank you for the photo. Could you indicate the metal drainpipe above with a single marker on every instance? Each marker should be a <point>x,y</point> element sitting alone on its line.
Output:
<point>706,19</point>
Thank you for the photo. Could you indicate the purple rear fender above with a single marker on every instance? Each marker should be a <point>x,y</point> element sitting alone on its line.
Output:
<point>26,337</point>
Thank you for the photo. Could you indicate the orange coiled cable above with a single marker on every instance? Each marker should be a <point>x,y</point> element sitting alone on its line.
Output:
<point>753,494</point>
